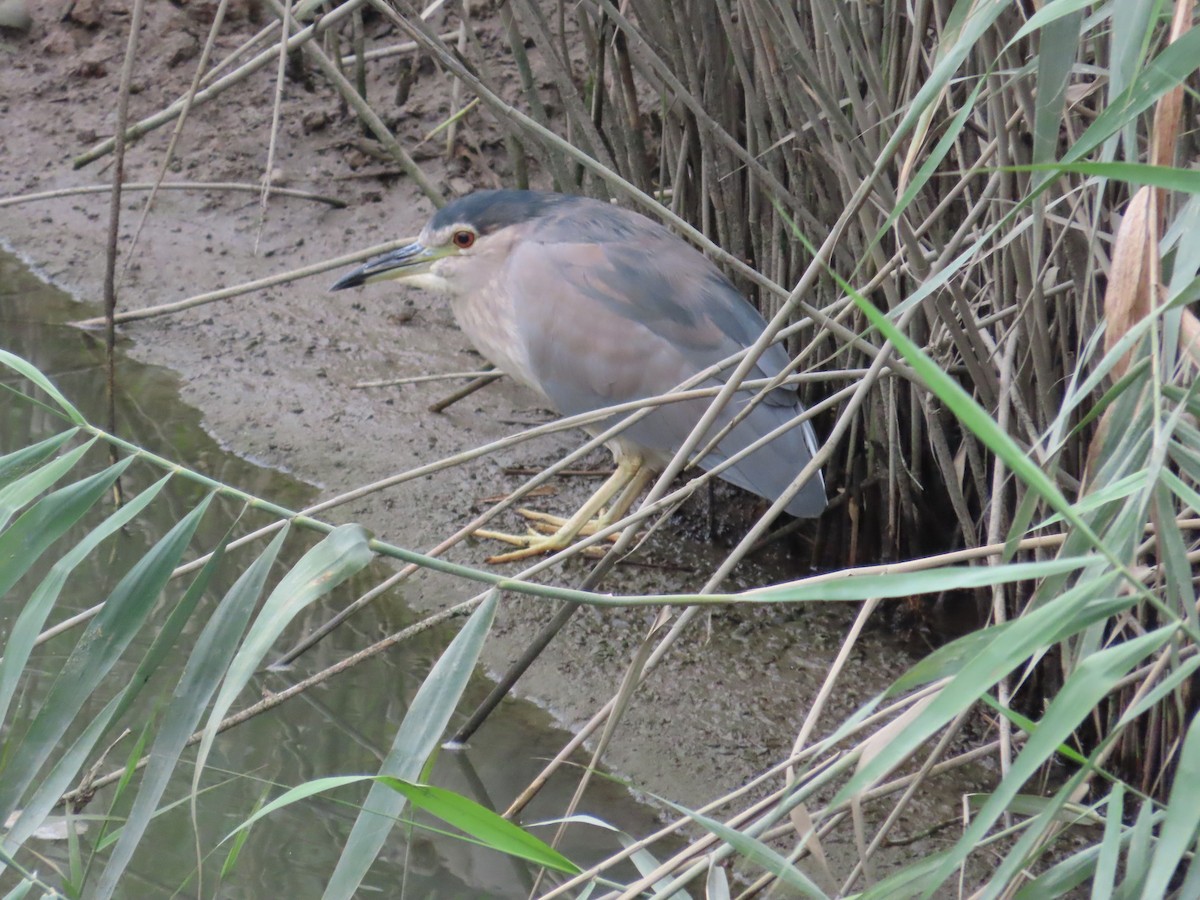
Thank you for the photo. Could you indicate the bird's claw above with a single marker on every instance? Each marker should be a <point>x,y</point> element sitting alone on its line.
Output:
<point>533,548</point>
<point>532,543</point>
<point>545,536</point>
<point>547,523</point>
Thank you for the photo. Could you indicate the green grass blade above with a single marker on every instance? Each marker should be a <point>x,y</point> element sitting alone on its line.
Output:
<point>1019,528</point>
<point>166,634</point>
<point>1095,499</point>
<point>716,886</point>
<point>20,492</point>
<point>647,864</point>
<point>973,20</point>
<point>1034,833</point>
<point>294,795</point>
<point>1191,881</point>
<point>32,373</point>
<point>1048,15</point>
<point>342,553</point>
<point>37,608</point>
<point>164,640</point>
<point>950,658</point>
<point>1179,828</point>
<point>1132,33</point>
<point>111,837</point>
<point>486,827</point>
<point>1187,253</point>
<point>108,823</point>
<point>1093,380</point>
<point>1137,858</point>
<point>480,823</point>
<point>51,787</point>
<point>1063,878</point>
<point>48,520</point>
<point>977,675</point>
<point>1090,682</point>
<point>760,854</point>
<point>20,892</point>
<point>1110,846</point>
<point>1166,71</point>
<point>908,584</point>
<point>987,430</point>
<point>910,881</point>
<point>416,740</point>
<point>239,842</point>
<point>1057,50</point>
<point>102,643</point>
<point>1186,181</point>
<point>1173,554</point>
<point>202,674</point>
<point>1057,620</point>
<point>929,167</point>
<point>74,883</point>
<point>1180,488</point>
<point>21,462</point>
<point>1029,726</point>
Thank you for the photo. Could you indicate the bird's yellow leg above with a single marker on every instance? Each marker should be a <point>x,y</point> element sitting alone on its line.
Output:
<point>629,474</point>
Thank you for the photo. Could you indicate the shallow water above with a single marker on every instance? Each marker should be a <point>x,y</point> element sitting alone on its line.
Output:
<point>344,726</point>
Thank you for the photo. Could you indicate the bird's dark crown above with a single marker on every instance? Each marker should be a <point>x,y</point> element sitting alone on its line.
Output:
<point>489,211</point>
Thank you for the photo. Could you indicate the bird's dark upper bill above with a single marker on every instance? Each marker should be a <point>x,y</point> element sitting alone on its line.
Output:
<point>406,257</point>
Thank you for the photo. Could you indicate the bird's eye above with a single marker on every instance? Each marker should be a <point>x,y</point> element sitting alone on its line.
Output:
<point>463,239</point>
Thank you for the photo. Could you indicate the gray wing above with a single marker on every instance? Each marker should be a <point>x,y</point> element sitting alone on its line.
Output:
<point>633,316</point>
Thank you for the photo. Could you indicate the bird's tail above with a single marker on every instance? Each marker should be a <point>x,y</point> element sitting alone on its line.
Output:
<point>770,469</point>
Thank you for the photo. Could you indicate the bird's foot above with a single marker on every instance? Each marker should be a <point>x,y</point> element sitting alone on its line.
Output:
<point>548,534</point>
<point>546,523</point>
<point>532,544</point>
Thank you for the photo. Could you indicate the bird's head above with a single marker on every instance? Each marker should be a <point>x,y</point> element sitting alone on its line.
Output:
<point>469,237</point>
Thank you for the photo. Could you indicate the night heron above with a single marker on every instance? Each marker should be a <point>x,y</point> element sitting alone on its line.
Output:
<point>592,305</point>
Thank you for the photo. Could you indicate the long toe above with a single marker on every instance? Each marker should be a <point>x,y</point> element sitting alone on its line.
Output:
<point>547,523</point>
<point>517,540</point>
<point>535,545</point>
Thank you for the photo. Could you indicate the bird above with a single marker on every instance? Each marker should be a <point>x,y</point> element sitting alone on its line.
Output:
<point>590,304</point>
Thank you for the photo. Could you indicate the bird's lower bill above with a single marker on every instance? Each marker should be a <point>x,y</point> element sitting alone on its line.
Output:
<point>412,264</point>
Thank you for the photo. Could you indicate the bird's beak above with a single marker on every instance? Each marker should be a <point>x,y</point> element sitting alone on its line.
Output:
<point>407,262</point>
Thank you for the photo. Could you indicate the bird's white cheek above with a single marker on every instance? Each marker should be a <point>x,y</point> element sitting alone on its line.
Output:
<point>430,281</point>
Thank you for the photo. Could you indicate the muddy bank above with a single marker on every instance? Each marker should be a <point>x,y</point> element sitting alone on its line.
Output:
<point>273,373</point>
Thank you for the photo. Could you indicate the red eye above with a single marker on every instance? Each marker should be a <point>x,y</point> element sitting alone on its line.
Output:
<point>463,239</point>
